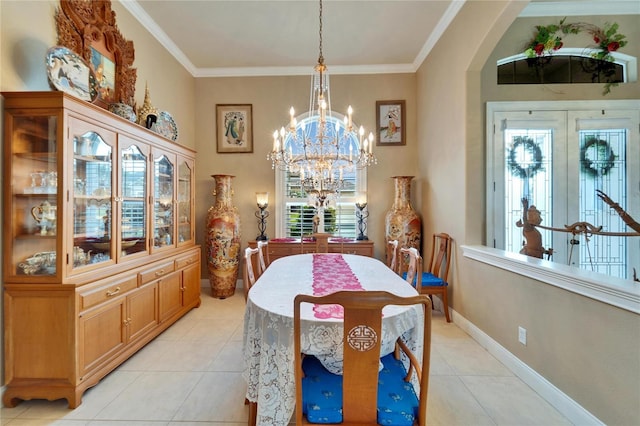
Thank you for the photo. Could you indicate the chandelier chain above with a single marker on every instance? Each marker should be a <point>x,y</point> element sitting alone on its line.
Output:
<point>320,58</point>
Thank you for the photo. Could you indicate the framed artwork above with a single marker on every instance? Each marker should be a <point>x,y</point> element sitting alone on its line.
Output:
<point>104,66</point>
<point>89,29</point>
<point>390,123</point>
<point>234,128</point>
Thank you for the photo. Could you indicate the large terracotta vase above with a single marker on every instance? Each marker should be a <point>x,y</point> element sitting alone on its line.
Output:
<point>223,239</point>
<point>402,223</point>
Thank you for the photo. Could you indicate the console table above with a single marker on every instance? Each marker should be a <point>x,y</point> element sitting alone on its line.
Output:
<point>281,247</point>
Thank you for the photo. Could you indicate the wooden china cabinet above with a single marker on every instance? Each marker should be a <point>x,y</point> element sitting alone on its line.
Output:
<point>98,243</point>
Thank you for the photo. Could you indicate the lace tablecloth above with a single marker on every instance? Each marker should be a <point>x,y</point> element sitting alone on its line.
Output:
<point>268,323</point>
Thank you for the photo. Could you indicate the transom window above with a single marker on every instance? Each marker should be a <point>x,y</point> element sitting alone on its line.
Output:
<point>568,65</point>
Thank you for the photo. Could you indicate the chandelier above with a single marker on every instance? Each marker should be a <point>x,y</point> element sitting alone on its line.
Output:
<point>321,148</point>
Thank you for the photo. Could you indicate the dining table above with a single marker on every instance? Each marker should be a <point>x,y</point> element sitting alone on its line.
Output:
<point>268,339</point>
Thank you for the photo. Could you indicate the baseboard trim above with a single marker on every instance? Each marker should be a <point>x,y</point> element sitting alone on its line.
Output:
<point>554,396</point>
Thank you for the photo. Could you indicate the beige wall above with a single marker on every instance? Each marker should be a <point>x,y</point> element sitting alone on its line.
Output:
<point>586,348</point>
<point>271,98</point>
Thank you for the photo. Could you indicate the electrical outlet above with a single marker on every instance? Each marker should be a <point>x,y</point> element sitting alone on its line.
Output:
<point>522,335</point>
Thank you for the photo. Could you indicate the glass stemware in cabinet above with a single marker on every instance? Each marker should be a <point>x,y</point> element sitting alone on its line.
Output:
<point>133,205</point>
<point>163,194</point>
<point>92,203</point>
<point>185,171</point>
<point>33,223</point>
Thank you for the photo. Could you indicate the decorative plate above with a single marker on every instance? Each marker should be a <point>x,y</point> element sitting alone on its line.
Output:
<point>70,73</point>
<point>166,126</point>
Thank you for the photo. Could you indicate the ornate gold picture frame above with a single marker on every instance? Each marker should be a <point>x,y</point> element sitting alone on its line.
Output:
<point>89,29</point>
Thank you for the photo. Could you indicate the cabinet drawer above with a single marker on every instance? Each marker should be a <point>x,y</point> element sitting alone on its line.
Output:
<point>156,272</point>
<point>102,293</point>
<point>184,261</point>
<point>362,250</point>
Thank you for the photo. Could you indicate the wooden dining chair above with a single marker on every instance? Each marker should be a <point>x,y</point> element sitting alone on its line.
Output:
<point>322,242</point>
<point>392,255</point>
<point>363,394</point>
<point>410,264</point>
<point>434,280</point>
<point>248,275</point>
<point>263,255</point>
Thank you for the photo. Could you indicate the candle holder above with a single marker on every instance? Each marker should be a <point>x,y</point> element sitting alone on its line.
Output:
<point>362,215</point>
<point>262,200</point>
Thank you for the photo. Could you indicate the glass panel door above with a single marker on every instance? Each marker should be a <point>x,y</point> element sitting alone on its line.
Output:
<point>92,195</point>
<point>163,195</point>
<point>603,153</point>
<point>33,222</point>
<point>185,226</point>
<point>133,199</point>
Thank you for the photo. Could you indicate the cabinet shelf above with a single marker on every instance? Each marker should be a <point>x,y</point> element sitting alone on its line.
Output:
<point>45,157</point>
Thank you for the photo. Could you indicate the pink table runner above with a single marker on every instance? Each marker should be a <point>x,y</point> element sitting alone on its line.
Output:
<point>330,274</point>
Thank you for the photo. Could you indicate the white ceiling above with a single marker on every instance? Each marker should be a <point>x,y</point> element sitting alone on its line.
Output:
<point>281,37</point>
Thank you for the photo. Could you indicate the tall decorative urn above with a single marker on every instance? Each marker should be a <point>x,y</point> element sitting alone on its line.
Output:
<point>402,223</point>
<point>223,239</point>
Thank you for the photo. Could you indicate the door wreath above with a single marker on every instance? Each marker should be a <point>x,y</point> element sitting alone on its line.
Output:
<point>596,157</point>
<point>526,168</point>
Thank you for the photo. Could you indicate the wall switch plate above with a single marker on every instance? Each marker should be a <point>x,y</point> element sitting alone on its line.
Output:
<point>522,335</point>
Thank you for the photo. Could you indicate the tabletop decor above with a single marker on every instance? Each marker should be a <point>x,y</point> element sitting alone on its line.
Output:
<point>390,122</point>
<point>361,217</point>
<point>402,222</point>
<point>71,74</point>
<point>89,28</point>
<point>223,239</point>
<point>262,200</point>
<point>147,113</point>
<point>234,128</point>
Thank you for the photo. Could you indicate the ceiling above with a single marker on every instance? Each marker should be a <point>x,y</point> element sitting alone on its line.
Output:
<point>281,37</point>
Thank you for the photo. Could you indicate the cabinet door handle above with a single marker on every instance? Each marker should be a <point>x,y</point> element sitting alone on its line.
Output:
<point>114,292</point>
<point>160,272</point>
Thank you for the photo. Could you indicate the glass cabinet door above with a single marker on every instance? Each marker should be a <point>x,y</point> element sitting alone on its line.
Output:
<point>32,224</point>
<point>133,199</point>
<point>185,195</point>
<point>92,195</point>
<point>163,196</point>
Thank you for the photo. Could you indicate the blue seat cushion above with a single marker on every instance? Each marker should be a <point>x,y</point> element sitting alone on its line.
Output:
<point>322,394</point>
<point>428,280</point>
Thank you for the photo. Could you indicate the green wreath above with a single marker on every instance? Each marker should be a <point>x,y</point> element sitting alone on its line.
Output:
<point>526,169</point>
<point>604,159</point>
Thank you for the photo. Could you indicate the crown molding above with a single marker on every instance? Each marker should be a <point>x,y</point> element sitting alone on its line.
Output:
<point>537,9</point>
<point>581,8</point>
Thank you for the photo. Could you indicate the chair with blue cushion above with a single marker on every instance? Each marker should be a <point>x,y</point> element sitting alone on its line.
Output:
<point>364,394</point>
<point>433,281</point>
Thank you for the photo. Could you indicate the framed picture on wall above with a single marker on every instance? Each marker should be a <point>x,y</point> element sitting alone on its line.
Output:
<point>390,123</point>
<point>234,128</point>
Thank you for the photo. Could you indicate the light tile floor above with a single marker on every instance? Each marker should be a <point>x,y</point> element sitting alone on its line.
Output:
<point>191,376</point>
